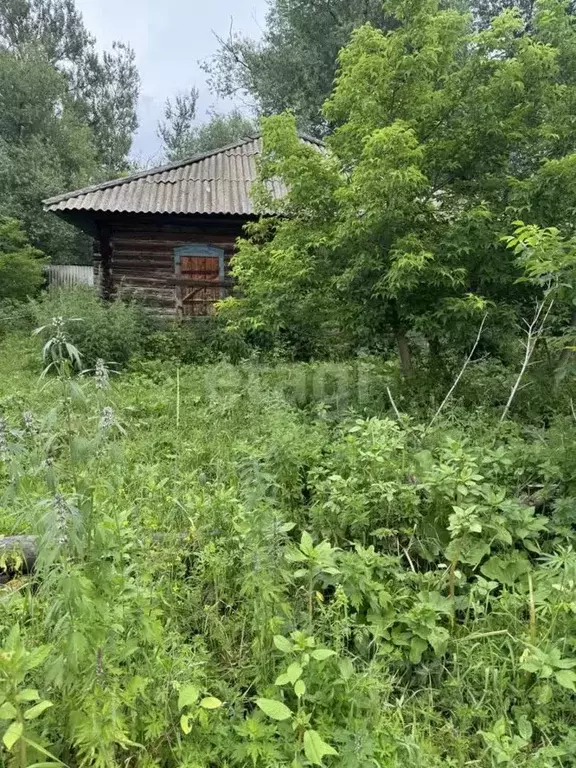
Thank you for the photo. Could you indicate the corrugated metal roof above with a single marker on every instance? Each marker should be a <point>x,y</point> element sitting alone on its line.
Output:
<point>216,182</point>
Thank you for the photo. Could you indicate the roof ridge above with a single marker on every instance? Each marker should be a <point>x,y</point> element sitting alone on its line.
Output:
<point>165,168</point>
<point>150,172</point>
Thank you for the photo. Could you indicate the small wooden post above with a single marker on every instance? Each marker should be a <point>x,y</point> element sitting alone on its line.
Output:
<point>106,253</point>
<point>178,290</point>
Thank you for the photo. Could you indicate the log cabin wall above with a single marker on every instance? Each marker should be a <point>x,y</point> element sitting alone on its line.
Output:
<point>142,253</point>
<point>198,205</point>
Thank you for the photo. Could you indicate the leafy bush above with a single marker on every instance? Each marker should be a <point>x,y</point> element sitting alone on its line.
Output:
<point>21,265</point>
<point>16,316</point>
<point>114,332</point>
<point>197,341</point>
<point>204,340</point>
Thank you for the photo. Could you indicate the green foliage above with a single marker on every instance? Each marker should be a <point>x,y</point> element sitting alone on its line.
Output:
<point>273,565</point>
<point>229,573</point>
<point>549,261</point>
<point>20,706</point>
<point>21,273</point>
<point>44,147</point>
<point>294,64</point>
<point>67,116</point>
<point>442,136</point>
<point>198,341</point>
<point>112,332</point>
<point>177,128</point>
<point>104,86</point>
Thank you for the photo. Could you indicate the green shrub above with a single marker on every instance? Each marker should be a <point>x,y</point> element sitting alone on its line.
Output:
<point>21,265</point>
<point>16,316</point>
<point>195,342</point>
<point>114,332</point>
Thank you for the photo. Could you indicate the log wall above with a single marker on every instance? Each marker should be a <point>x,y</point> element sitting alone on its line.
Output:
<point>142,254</point>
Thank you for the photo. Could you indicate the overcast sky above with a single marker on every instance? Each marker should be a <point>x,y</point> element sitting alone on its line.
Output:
<point>169,37</point>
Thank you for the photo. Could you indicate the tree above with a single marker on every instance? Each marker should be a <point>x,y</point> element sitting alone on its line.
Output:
<point>105,87</point>
<point>442,136</point>
<point>54,25</point>
<point>221,130</point>
<point>67,116</point>
<point>293,66</point>
<point>178,127</point>
<point>44,148</point>
<point>21,272</point>
<point>108,89</point>
<point>182,138</point>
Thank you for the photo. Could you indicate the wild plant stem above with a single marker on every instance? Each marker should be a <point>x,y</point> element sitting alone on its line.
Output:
<point>178,398</point>
<point>396,411</point>
<point>310,600</point>
<point>452,578</point>
<point>23,746</point>
<point>534,332</point>
<point>532,610</point>
<point>457,380</point>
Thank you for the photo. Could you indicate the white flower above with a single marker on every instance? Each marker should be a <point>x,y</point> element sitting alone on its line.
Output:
<point>62,516</point>
<point>101,374</point>
<point>107,418</point>
<point>29,426</point>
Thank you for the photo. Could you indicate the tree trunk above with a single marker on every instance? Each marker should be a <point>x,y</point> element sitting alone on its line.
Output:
<point>405,353</point>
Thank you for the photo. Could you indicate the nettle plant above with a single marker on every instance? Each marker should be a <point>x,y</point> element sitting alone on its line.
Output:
<point>83,579</point>
<point>317,565</point>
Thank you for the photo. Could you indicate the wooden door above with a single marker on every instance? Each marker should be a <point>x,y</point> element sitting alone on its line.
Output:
<point>201,269</point>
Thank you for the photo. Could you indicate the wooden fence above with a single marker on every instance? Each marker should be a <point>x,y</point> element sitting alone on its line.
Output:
<point>69,274</point>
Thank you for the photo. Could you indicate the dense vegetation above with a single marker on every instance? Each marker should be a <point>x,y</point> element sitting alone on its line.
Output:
<point>264,565</point>
<point>293,64</point>
<point>335,524</point>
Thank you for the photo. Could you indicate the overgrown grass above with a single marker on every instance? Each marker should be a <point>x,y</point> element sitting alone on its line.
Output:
<point>261,566</point>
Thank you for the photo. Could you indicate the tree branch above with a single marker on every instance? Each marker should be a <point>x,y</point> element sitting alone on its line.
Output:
<point>229,47</point>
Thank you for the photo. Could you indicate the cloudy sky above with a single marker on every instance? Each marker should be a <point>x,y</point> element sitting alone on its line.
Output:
<point>170,37</point>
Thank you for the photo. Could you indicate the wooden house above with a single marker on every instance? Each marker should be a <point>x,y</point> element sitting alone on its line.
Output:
<point>166,235</point>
